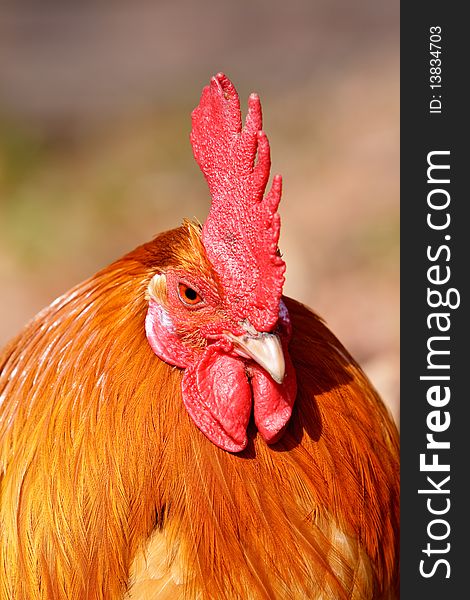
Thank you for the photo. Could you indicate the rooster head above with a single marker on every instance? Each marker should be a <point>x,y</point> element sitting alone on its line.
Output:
<point>215,309</point>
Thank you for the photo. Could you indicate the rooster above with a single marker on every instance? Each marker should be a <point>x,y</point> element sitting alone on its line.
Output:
<point>175,428</point>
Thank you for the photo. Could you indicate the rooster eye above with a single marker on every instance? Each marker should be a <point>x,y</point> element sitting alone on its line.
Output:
<point>188,295</point>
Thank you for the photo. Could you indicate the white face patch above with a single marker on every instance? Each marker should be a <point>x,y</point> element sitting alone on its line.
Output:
<point>156,291</point>
<point>159,328</point>
<point>164,317</point>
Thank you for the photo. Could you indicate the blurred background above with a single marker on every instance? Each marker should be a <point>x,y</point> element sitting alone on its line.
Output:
<point>95,103</point>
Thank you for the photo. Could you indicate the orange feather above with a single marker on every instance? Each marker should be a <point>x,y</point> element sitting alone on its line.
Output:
<point>108,490</point>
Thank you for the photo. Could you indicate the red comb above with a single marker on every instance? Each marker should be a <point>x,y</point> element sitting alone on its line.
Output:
<point>242,230</point>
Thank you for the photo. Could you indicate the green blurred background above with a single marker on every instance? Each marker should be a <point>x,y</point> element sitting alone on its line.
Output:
<point>95,103</point>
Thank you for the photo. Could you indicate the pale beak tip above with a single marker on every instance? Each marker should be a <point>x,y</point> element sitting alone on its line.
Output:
<point>278,378</point>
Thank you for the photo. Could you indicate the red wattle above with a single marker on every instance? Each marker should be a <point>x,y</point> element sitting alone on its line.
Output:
<point>273,401</point>
<point>217,396</point>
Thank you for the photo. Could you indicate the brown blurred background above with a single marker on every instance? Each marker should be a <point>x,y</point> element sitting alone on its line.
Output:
<point>95,102</point>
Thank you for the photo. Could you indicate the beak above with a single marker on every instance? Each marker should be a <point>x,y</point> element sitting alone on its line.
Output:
<point>264,348</point>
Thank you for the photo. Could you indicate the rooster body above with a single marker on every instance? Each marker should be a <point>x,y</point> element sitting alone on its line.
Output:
<point>114,486</point>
